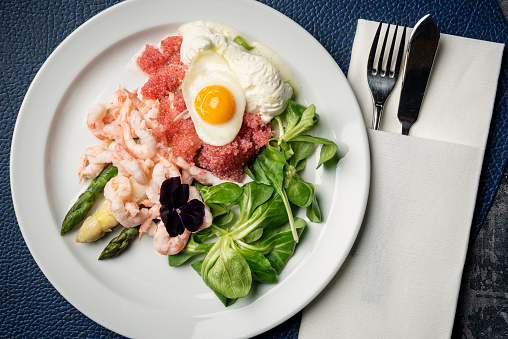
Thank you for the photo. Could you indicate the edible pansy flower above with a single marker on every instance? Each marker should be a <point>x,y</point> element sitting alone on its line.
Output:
<point>177,213</point>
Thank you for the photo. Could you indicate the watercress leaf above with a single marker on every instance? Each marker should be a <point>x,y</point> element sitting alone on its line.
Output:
<point>203,235</point>
<point>296,108</point>
<point>267,277</point>
<point>313,211</point>
<point>307,121</point>
<point>300,193</point>
<point>273,172</point>
<point>281,239</point>
<point>280,124</point>
<point>293,113</point>
<point>224,219</point>
<point>280,255</point>
<point>230,274</point>
<point>300,109</point>
<point>217,209</point>
<point>253,236</point>
<point>199,185</point>
<point>328,150</point>
<point>191,250</point>
<point>249,173</point>
<point>270,235</point>
<point>258,172</point>
<point>226,301</point>
<point>301,165</point>
<point>274,153</point>
<point>260,267</point>
<point>223,193</point>
<point>286,149</point>
<point>271,166</point>
<point>253,195</point>
<point>301,151</point>
<point>274,214</point>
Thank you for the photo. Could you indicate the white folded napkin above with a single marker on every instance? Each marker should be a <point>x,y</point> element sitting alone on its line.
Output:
<point>402,277</point>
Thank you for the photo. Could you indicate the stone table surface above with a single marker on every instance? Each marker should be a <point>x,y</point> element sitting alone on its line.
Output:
<point>482,310</point>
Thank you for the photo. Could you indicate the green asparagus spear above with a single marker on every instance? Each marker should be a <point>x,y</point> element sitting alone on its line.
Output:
<point>119,243</point>
<point>86,200</point>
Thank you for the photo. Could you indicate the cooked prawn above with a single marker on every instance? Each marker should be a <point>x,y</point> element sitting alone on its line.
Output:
<point>119,191</point>
<point>119,98</point>
<point>124,217</point>
<point>163,170</point>
<point>203,176</point>
<point>130,164</point>
<point>150,116</point>
<point>118,187</point>
<point>148,108</point>
<point>87,168</point>
<point>102,119</point>
<point>153,213</point>
<point>164,151</point>
<point>146,147</point>
<point>166,245</point>
<point>94,119</point>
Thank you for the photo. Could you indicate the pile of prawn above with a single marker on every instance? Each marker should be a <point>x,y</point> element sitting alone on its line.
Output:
<point>126,127</point>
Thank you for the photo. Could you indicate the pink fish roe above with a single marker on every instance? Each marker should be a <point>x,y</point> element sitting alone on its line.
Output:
<point>151,60</point>
<point>171,49</point>
<point>166,73</point>
<point>166,80</point>
<point>164,67</point>
<point>181,135</point>
<point>227,162</point>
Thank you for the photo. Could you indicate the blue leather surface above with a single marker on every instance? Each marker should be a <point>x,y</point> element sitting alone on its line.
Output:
<point>32,29</point>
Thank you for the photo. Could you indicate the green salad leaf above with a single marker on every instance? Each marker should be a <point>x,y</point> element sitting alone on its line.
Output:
<point>225,270</point>
<point>226,301</point>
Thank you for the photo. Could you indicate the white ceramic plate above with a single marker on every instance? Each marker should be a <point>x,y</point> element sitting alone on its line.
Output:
<point>138,294</point>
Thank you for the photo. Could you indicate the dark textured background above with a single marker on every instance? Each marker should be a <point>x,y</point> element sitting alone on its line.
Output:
<point>482,311</point>
<point>31,30</point>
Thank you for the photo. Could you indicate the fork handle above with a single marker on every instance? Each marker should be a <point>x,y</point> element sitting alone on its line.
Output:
<point>376,118</point>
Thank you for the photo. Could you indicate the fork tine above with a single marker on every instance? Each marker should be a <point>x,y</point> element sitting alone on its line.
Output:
<point>381,56</point>
<point>401,51</point>
<point>373,48</point>
<point>390,55</point>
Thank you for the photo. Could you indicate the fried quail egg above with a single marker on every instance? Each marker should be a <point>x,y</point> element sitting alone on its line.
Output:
<point>261,74</point>
<point>214,97</point>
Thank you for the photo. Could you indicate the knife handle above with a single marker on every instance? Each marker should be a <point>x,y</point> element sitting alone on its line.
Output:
<point>406,125</point>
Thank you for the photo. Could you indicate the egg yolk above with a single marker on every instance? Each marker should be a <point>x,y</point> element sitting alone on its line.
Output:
<point>215,104</point>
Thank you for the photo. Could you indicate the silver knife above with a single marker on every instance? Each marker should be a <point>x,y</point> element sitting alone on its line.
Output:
<point>420,54</point>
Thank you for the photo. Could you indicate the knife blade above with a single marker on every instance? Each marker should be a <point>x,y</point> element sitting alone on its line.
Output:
<point>420,54</point>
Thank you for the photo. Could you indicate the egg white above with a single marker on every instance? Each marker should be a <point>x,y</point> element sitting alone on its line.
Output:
<point>209,68</point>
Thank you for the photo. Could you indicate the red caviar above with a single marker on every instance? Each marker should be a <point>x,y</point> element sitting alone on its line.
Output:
<point>227,162</point>
<point>181,136</point>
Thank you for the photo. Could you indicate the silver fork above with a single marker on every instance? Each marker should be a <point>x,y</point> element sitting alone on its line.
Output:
<point>382,81</point>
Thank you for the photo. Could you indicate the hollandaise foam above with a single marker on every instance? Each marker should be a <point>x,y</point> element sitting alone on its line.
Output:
<point>214,97</point>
